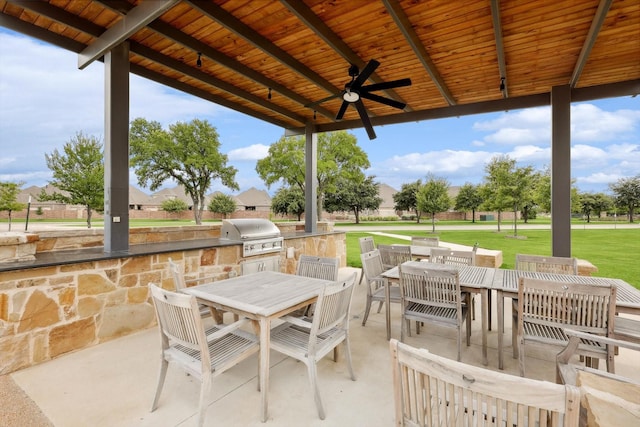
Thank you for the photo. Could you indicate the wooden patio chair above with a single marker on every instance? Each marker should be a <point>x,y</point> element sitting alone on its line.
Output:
<point>309,342</point>
<point>433,242</point>
<point>366,245</point>
<point>394,255</point>
<point>546,308</point>
<point>180,282</point>
<point>546,264</point>
<point>431,390</point>
<point>538,264</point>
<point>185,343</point>
<point>318,267</point>
<point>432,295</point>
<point>457,258</point>
<point>566,371</point>
<point>453,257</point>
<point>372,271</point>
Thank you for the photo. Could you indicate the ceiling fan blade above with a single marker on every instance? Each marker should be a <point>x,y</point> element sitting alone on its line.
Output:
<point>313,104</point>
<point>383,100</point>
<point>342,110</point>
<point>386,85</point>
<point>364,75</point>
<point>365,119</point>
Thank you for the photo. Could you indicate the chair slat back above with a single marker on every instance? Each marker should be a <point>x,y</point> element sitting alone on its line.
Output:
<point>546,264</point>
<point>430,390</point>
<point>432,286</point>
<point>318,267</point>
<point>372,268</point>
<point>372,264</point>
<point>589,308</point>
<point>366,244</point>
<point>394,255</point>
<point>452,257</point>
<point>425,241</point>
<point>333,307</point>
<point>179,319</point>
<point>178,277</point>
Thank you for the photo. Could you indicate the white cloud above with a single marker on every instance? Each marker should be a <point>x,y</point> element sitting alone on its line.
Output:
<point>589,123</point>
<point>252,153</point>
<point>599,178</point>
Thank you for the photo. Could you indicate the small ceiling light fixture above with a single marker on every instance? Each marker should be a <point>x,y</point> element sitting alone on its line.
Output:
<point>502,87</point>
<point>314,114</point>
<point>269,95</point>
<point>199,61</point>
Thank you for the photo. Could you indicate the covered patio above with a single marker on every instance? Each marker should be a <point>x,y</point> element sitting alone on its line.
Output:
<point>113,384</point>
<point>280,61</point>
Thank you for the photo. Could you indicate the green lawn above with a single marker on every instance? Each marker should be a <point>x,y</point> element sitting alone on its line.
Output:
<point>614,251</point>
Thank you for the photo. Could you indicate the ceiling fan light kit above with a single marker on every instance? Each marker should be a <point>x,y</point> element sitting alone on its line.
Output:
<point>354,91</point>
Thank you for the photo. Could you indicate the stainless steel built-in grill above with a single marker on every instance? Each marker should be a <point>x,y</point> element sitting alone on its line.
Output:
<point>258,236</point>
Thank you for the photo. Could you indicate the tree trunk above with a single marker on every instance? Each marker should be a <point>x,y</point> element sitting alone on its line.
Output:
<point>356,212</point>
<point>9,220</point>
<point>89,214</point>
<point>515,221</point>
<point>433,222</point>
<point>499,217</point>
<point>473,218</point>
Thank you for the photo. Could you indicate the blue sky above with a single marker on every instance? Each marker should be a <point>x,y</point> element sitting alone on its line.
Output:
<point>45,100</point>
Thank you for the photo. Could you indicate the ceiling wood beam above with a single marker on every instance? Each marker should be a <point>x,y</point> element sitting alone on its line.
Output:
<point>236,26</point>
<point>203,94</point>
<point>187,41</point>
<point>611,90</point>
<point>403,23</point>
<point>596,24</point>
<point>137,18</point>
<point>60,16</point>
<point>323,31</point>
<point>497,31</point>
<point>189,71</point>
<point>238,67</point>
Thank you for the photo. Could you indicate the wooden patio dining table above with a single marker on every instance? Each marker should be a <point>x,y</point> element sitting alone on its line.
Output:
<point>261,296</point>
<point>472,279</point>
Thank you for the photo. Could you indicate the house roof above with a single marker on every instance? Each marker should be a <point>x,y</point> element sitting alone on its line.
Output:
<point>254,197</point>
<point>272,59</point>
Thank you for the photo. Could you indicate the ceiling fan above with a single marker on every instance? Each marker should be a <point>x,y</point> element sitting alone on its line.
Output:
<point>354,91</point>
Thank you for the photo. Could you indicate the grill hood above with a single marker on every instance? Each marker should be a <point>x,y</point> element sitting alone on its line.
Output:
<point>248,229</point>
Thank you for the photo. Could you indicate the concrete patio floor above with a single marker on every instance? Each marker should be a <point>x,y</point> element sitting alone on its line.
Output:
<point>112,384</point>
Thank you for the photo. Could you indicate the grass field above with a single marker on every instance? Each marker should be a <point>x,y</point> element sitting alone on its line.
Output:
<point>615,252</point>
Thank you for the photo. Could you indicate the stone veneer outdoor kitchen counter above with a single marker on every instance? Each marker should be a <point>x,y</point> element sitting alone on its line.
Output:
<point>69,299</point>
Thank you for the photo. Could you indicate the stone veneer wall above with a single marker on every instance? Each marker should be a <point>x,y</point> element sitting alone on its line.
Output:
<point>48,311</point>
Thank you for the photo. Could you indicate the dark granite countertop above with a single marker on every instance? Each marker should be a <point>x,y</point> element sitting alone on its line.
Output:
<point>73,256</point>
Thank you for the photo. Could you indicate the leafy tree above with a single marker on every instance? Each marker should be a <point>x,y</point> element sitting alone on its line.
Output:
<point>405,199</point>
<point>222,204</point>
<point>542,194</point>
<point>78,173</point>
<point>9,198</point>
<point>338,157</point>
<point>433,197</point>
<point>498,173</point>
<point>468,199</point>
<point>174,206</point>
<point>627,194</point>
<point>189,153</point>
<point>354,195</point>
<point>594,203</point>
<point>288,201</point>
<point>518,191</point>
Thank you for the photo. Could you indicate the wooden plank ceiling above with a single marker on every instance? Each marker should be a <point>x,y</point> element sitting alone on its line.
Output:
<point>271,59</point>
